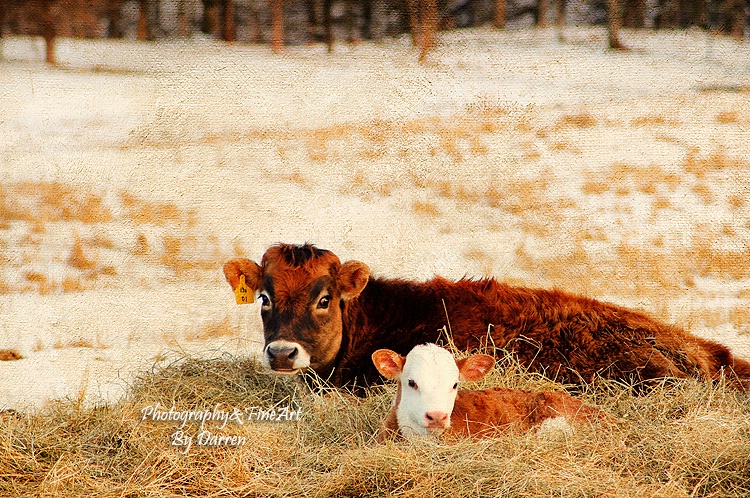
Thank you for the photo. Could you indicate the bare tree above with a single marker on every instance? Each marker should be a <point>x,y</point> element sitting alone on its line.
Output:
<point>277,25</point>
<point>144,26</point>
<point>737,19</point>
<point>328,23</point>
<point>2,27</point>
<point>183,19</point>
<point>633,13</point>
<point>499,19</point>
<point>560,19</point>
<point>541,14</point>
<point>49,30</point>
<point>228,31</point>
<point>413,13</point>
<point>613,25</point>
<point>429,26</point>
<point>113,13</point>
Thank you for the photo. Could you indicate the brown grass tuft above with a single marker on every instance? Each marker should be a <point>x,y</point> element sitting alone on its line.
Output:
<point>79,259</point>
<point>9,355</point>
<point>156,213</point>
<point>222,328</point>
<point>425,208</point>
<point>727,117</point>
<point>593,187</point>
<point>718,160</point>
<point>679,439</point>
<point>581,120</point>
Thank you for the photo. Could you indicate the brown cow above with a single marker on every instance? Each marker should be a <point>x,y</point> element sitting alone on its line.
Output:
<point>330,317</point>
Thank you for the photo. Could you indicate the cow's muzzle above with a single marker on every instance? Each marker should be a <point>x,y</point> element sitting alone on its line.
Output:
<point>285,357</point>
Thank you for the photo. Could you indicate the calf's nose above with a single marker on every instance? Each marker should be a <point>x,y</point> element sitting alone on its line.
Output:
<point>437,419</point>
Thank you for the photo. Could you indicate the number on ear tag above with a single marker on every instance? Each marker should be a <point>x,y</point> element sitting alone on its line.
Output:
<point>242,293</point>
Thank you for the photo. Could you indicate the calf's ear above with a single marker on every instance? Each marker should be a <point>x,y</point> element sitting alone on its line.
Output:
<point>242,266</point>
<point>353,277</point>
<point>475,366</point>
<point>389,363</point>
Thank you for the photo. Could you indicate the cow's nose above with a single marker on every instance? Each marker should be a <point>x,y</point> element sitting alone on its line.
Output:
<point>283,353</point>
<point>436,419</point>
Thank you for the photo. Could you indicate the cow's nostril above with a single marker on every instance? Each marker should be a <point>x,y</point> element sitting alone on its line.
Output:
<point>282,353</point>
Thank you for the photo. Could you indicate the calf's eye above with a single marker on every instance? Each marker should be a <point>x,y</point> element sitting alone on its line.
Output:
<point>455,385</point>
<point>413,384</point>
<point>324,302</point>
<point>264,301</point>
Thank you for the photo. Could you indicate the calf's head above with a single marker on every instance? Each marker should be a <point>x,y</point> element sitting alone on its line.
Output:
<point>427,384</point>
<point>302,290</point>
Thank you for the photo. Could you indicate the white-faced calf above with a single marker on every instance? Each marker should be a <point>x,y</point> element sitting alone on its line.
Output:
<point>428,401</point>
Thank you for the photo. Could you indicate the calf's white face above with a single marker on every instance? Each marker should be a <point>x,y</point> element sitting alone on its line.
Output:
<point>427,384</point>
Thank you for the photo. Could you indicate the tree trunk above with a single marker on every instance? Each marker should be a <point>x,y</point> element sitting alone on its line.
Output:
<point>613,24</point>
<point>352,34</point>
<point>210,23</point>
<point>737,20</point>
<point>327,24</point>
<point>113,11</point>
<point>228,33</point>
<point>429,26</point>
<point>560,19</point>
<point>412,12</point>
<point>312,20</point>
<point>367,19</point>
<point>634,14</point>
<point>277,23</point>
<point>183,19</point>
<point>499,20</point>
<point>144,28</point>
<point>48,30</point>
<point>541,14</point>
<point>2,27</point>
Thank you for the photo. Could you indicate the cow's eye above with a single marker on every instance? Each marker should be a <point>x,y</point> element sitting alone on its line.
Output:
<point>264,301</point>
<point>455,385</point>
<point>413,384</point>
<point>324,302</point>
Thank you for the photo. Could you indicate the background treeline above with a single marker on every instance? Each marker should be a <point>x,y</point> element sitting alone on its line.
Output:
<point>305,20</point>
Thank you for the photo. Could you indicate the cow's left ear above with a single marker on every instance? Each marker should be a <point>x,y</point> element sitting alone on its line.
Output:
<point>475,366</point>
<point>353,277</point>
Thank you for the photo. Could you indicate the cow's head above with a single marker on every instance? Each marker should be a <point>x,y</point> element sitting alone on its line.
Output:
<point>427,381</point>
<point>301,290</point>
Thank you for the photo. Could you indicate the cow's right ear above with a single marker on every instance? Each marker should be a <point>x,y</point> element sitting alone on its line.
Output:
<point>353,277</point>
<point>242,266</point>
<point>389,363</point>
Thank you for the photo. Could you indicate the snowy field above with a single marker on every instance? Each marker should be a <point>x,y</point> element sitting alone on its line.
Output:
<point>133,171</point>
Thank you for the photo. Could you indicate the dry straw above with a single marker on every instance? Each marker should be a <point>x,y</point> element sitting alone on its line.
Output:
<point>683,439</point>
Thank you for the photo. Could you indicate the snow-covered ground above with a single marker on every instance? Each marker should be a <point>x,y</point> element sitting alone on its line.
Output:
<point>134,170</point>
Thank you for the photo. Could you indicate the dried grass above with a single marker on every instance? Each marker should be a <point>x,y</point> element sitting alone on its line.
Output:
<point>220,328</point>
<point>727,117</point>
<point>9,355</point>
<point>683,439</point>
<point>155,213</point>
<point>576,121</point>
<point>425,208</point>
<point>79,259</point>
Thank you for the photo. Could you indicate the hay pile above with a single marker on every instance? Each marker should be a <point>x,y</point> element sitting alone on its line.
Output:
<point>688,439</point>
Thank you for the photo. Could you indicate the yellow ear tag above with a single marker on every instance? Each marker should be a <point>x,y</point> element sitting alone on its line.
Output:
<point>242,293</point>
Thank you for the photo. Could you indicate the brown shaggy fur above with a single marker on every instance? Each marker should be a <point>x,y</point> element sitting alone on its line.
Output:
<point>568,337</point>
